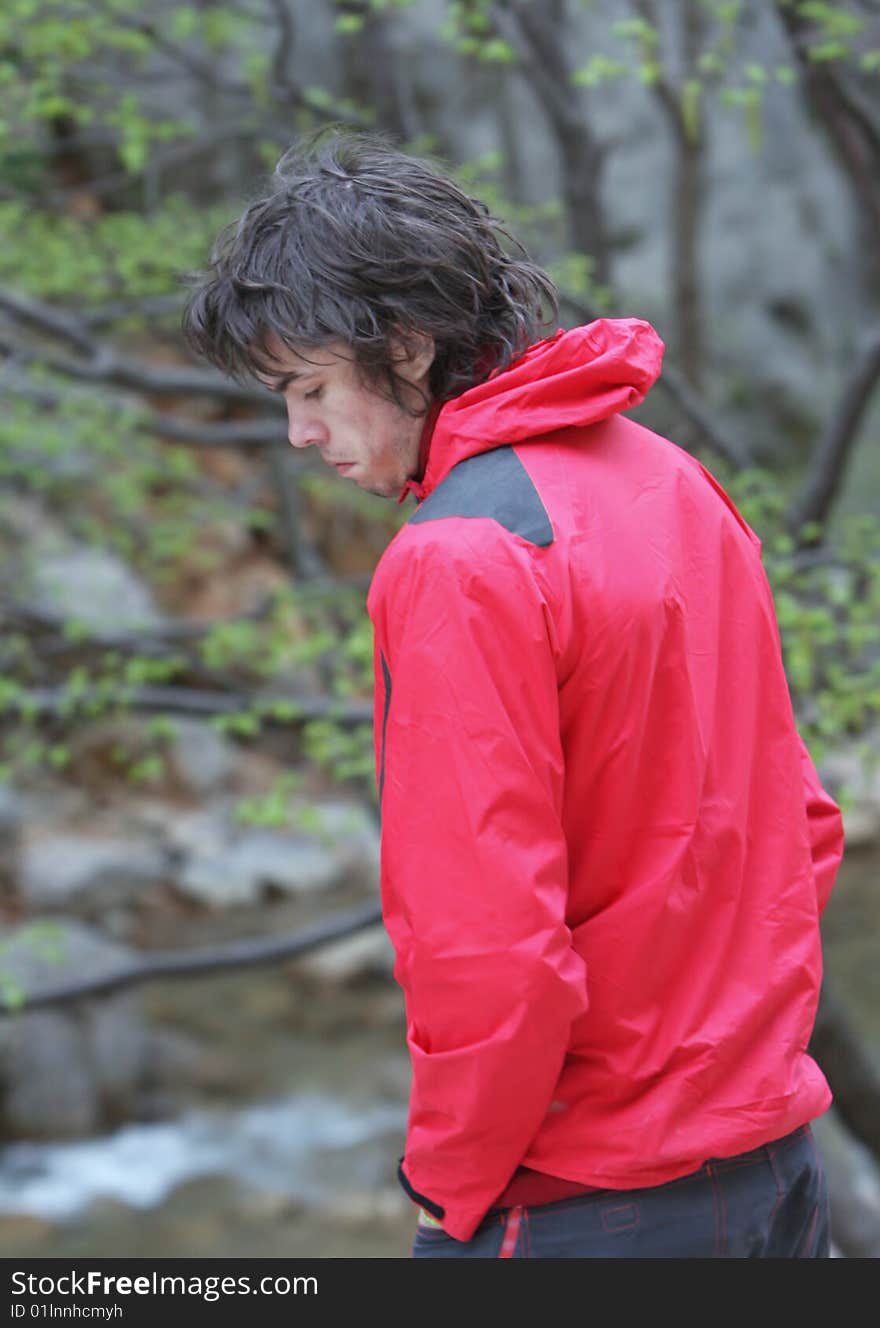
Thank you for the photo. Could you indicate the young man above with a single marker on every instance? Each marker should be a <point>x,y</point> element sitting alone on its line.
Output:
<point>604,846</point>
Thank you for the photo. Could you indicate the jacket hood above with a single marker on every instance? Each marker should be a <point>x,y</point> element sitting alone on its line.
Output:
<point>571,379</point>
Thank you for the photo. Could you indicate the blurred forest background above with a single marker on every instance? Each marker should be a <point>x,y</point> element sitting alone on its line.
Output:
<point>187,800</point>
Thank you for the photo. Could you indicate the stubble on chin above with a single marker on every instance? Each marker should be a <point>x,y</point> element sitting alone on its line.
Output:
<point>384,490</point>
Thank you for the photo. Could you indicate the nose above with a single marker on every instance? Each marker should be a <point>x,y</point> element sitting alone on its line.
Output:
<point>300,431</point>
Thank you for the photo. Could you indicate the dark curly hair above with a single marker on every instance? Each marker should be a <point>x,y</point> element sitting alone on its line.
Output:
<point>358,242</point>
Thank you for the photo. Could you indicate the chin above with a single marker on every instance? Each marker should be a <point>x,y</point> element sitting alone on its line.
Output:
<point>380,490</point>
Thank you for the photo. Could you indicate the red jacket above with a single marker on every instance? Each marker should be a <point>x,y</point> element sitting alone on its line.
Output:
<point>604,845</point>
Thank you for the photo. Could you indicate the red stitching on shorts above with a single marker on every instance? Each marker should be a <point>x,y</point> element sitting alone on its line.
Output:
<point>615,1228</point>
<point>511,1232</point>
<point>807,1243</point>
<point>720,1216</point>
<point>780,1194</point>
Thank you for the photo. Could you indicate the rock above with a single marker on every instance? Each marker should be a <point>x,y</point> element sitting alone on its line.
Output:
<point>94,587</point>
<point>50,1091</point>
<point>224,865</point>
<point>179,1062</point>
<point>855,776</point>
<point>87,874</point>
<point>242,872</point>
<point>25,1237</point>
<point>367,954</point>
<point>70,1070</point>
<point>350,829</point>
<point>198,761</point>
<point>364,1206</point>
<point>861,827</point>
<point>202,760</point>
<point>56,574</point>
<point>118,1053</point>
<point>11,815</point>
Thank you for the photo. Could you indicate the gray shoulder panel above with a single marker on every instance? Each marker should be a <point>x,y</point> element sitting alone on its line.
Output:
<point>495,485</point>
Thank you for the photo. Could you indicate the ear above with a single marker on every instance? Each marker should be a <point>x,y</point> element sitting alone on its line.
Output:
<point>412,353</point>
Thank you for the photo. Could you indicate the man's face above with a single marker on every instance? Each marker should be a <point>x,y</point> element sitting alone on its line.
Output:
<point>366,437</point>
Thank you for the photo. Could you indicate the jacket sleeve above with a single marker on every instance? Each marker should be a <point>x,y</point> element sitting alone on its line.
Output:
<point>825,828</point>
<point>474,860</point>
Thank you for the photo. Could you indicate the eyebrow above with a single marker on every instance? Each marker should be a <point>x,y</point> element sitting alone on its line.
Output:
<point>282,382</point>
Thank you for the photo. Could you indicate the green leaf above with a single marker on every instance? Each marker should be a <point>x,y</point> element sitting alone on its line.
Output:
<point>148,770</point>
<point>827,51</point>
<point>348,23</point>
<point>710,62</point>
<point>184,23</point>
<point>12,993</point>
<point>600,69</point>
<point>638,29</point>
<point>497,51</point>
<point>59,757</point>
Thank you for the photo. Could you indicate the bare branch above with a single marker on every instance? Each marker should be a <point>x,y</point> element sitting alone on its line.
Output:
<point>57,322</point>
<point>146,306</point>
<point>202,69</point>
<point>105,366</point>
<point>202,961</point>
<point>666,93</point>
<point>373,69</point>
<point>858,108</point>
<point>263,432</point>
<point>554,92</point>
<point>284,44</point>
<point>49,702</point>
<point>851,127</point>
<point>824,481</point>
<point>302,556</point>
<point>538,37</point>
<point>207,70</point>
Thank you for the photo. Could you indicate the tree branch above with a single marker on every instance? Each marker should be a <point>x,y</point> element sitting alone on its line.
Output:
<point>553,92</point>
<point>42,702</point>
<point>824,481</point>
<point>198,962</point>
<point>284,43</point>
<point>56,322</point>
<point>263,432</point>
<point>538,38</point>
<point>145,306</point>
<point>302,557</point>
<point>105,365</point>
<point>849,125</point>
<point>666,93</point>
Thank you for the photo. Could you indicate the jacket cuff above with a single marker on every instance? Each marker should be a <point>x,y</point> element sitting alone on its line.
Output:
<point>428,1204</point>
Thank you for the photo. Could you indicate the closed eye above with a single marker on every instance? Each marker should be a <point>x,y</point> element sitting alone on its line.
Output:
<point>314,394</point>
